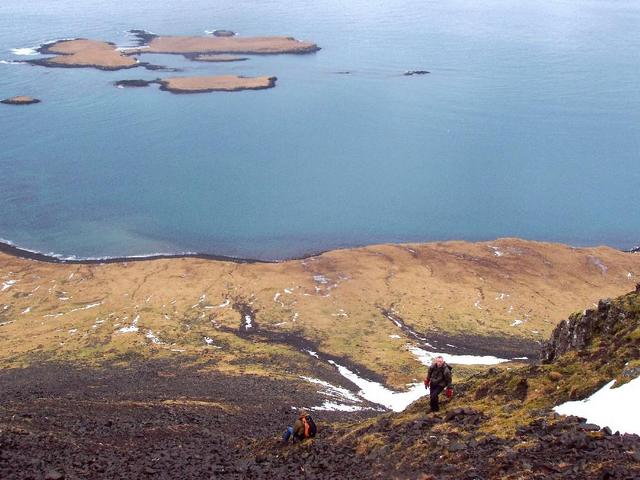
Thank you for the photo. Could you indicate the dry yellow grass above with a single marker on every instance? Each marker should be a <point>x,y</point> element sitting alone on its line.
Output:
<point>334,299</point>
<point>255,45</point>
<point>88,53</point>
<point>222,83</point>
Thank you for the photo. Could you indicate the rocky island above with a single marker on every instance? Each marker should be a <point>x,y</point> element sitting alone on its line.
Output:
<point>214,83</point>
<point>81,53</point>
<point>20,100</point>
<point>217,83</point>
<point>186,45</point>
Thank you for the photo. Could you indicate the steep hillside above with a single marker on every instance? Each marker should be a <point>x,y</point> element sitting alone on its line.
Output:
<point>366,306</point>
<point>500,424</point>
<point>191,368</point>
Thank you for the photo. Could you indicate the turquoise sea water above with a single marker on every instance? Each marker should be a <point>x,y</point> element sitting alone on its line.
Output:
<point>528,125</point>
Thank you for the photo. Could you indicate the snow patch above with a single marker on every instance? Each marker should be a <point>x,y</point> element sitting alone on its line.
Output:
<point>153,337</point>
<point>395,336</point>
<point>209,341</point>
<point>26,310</point>
<point>131,328</point>
<point>86,307</point>
<point>598,263</point>
<point>517,322</point>
<point>328,406</point>
<point>8,284</point>
<point>427,358</point>
<point>332,390</point>
<point>377,393</point>
<point>616,408</point>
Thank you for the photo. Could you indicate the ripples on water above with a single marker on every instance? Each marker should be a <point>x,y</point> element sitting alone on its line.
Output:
<point>527,126</point>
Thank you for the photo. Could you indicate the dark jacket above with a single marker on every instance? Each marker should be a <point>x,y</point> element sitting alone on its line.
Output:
<point>439,376</point>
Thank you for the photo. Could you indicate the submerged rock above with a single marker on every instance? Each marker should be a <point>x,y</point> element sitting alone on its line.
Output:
<point>134,83</point>
<point>223,33</point>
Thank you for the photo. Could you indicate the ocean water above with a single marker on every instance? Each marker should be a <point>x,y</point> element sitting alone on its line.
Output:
<point>528,125</point>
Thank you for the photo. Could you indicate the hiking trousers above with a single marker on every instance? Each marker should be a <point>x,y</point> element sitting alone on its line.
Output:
<point>434,391</point>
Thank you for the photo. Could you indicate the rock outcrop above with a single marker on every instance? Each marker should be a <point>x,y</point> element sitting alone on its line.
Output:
<point>580,329</point>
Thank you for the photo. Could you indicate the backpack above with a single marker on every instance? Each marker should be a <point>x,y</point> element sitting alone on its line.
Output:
<point>310,428</point>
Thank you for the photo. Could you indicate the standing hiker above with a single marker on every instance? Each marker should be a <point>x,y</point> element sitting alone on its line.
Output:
<point>438,378</point>
<point>304,427</point>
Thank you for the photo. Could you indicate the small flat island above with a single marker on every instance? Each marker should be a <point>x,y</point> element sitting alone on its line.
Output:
<point>218,83</point>
<point>20,100</point>
<point>85,53</point>
<point>186,45</point>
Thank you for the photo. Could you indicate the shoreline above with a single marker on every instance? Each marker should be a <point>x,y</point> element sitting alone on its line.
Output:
<point>13,250</point>
<point>9,248</point>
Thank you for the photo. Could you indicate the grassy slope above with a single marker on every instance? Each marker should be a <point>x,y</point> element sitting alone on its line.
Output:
<point>499,424</point>
<point>335,300</point>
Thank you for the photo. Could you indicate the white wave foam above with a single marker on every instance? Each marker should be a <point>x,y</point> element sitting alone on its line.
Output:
<point>12,62</point>
<point>126,48</point>
<point>25,51</point>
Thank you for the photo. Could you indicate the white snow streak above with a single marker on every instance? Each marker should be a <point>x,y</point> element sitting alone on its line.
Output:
<point>426,358</point>
<point>616,408</point>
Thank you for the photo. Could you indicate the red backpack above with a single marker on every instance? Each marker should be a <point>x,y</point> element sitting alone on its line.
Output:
<point>310,428</point>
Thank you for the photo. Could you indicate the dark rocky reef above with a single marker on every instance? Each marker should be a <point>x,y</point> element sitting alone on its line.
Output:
<point>223,33</point>
<point>142,36</point>
<point>46,62</point>
<point>135,83</point>
<point>580,330</point>
<point>20,100</point>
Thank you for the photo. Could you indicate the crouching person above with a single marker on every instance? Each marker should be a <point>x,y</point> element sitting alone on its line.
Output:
<point>438,379</point>
<point>304,427</point>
